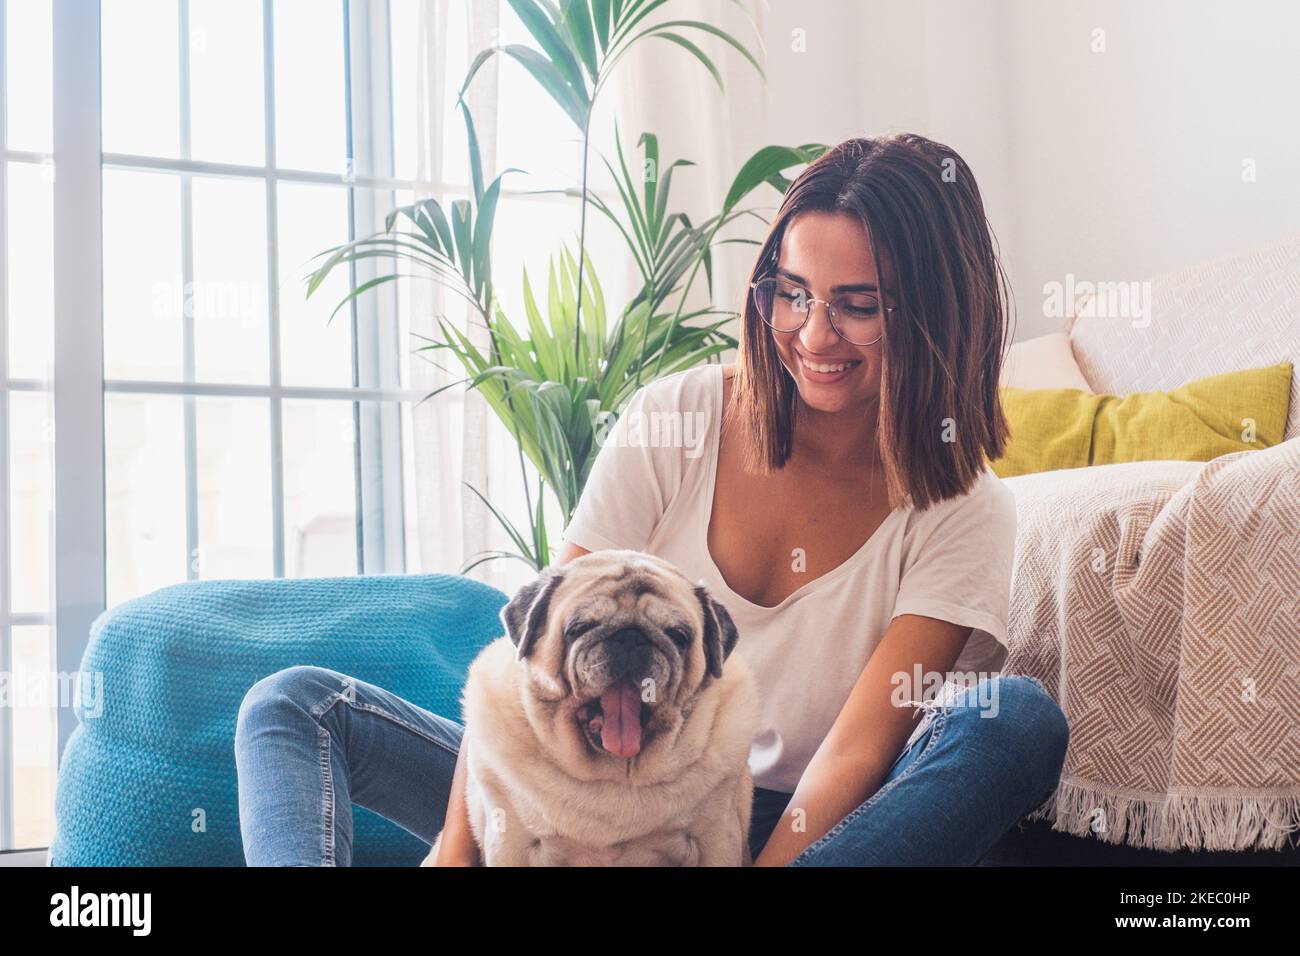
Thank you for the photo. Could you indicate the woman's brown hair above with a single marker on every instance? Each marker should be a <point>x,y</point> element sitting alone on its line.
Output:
<point>939,415</point>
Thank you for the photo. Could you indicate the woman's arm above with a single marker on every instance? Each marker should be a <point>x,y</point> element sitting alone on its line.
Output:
<point>868,734</point>
<point>458,847</point>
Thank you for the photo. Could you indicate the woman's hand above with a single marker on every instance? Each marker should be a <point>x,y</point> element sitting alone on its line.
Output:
<point>867,736</point>
<point>448,857</point>
<point>457,846</point>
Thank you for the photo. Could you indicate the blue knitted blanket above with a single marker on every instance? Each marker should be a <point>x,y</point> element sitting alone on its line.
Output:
<point>175,666</point>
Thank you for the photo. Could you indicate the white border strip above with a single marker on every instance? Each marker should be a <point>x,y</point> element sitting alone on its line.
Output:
<point>189,411</point>
<point>79,587</point>
<point>6,546</point>
<point>273,291</point>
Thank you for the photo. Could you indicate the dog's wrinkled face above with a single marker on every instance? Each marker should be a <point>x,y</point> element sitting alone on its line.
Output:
<point>618,642</point>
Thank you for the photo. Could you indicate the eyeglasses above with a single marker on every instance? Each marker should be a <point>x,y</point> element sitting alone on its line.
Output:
<point>857,317</point>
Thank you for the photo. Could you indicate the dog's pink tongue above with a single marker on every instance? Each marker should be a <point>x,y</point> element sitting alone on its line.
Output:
<point>621,733</point>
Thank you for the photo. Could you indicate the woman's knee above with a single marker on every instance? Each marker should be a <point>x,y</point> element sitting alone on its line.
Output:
<point>1025,718</point>
<point>290,690</point>
<point>1037,714</point>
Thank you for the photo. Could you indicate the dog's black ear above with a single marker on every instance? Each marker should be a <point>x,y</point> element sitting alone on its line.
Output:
<point>719,631</point>
<point>525,615</point>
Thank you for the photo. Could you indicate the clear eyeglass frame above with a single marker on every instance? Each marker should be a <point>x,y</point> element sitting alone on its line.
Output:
<point>809,300</point>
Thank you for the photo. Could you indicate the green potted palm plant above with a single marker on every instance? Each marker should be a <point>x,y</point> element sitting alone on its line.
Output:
<point>557,378</point>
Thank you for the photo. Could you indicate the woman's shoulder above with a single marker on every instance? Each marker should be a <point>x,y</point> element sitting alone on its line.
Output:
<point>978,527</point>
<point>673,415</point>
<point>997,493</point>
<point>688,389</point>
<point>988,499</point>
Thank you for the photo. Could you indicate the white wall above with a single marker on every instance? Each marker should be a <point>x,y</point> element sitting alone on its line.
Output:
<point>1129,162</point>
<point>1112,165</point>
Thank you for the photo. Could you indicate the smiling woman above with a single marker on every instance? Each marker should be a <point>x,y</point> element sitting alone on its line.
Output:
<point>841,508</point>
<point>902,214</point>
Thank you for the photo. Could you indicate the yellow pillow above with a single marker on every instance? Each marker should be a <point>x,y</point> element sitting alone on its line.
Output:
<point>1066,428</point>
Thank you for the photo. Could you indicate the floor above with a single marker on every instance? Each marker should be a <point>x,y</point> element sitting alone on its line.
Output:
<point>1036,844</point>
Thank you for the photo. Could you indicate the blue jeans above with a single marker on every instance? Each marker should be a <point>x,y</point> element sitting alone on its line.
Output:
<point>310,742</point>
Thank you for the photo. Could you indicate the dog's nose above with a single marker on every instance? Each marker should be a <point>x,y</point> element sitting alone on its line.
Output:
<point>626,654</point>
<point>627,636</point>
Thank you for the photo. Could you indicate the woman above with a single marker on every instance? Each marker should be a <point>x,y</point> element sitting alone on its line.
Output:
<point>836,498</point>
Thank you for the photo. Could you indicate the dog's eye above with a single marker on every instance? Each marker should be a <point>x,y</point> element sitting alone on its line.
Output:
<point>679,636</point>
<point>578,627</point>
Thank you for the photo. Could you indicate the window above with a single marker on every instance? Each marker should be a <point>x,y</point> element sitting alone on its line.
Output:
<point>235,415</point>
<point>27,729</point>
<point>212,423</point>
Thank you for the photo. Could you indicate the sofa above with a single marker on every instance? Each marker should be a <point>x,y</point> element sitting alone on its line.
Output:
<point>148,778</point>
<point>1157,600</point>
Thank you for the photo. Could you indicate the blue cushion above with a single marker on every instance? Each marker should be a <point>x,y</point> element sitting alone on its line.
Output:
<point>176,665</point>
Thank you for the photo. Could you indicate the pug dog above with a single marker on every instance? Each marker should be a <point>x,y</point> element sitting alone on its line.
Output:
<point>611,724</point>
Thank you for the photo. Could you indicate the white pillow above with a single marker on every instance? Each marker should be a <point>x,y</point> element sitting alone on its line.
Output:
<point>1235,313</point>
<point>1043,362</point>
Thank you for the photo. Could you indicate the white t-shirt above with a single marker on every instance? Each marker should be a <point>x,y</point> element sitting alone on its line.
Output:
<point>651,489</point>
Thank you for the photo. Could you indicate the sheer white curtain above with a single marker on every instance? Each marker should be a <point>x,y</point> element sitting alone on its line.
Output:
<point>452,441</point>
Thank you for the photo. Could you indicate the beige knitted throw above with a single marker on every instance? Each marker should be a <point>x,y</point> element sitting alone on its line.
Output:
<point>1159,603</point>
